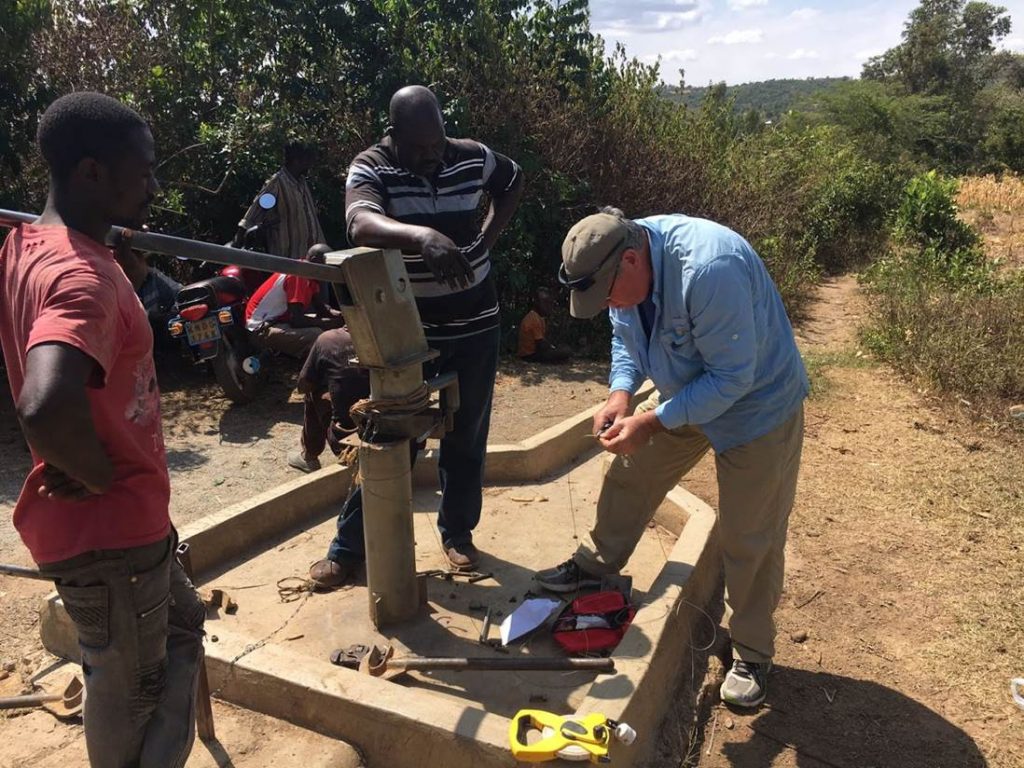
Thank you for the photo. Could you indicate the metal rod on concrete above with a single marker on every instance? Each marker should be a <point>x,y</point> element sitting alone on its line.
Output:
<point>184,248</point>
<point>23,573</point>
<point>517,664</point>
<point>204,702</point>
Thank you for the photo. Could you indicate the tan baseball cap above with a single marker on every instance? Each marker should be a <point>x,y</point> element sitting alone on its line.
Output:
<point>590,259</point>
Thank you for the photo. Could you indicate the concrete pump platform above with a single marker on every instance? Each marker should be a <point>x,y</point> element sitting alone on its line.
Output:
<point>272,656</point>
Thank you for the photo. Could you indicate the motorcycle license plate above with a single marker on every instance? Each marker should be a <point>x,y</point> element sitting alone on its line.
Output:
<point>202,331</point>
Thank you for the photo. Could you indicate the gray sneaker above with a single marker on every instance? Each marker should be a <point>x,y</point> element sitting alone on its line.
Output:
<point>567,577</point>
<point>746,685</point>
<point>300,462</point>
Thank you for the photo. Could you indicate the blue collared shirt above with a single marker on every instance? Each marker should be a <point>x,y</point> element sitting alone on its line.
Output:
<point>721,350</point>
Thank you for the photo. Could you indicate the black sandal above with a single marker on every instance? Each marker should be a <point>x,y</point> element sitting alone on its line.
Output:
<point>349,657</point>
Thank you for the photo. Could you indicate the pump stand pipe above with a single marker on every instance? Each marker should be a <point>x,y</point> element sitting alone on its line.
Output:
<point>382,317</point>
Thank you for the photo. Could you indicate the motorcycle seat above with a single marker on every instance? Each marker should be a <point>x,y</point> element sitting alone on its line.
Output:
<point>219,290</point>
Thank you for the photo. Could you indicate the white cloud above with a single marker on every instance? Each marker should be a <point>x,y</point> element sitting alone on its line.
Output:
<point>625,18</point>
<point>844,33</point>
<point>805,14</point>
<point>678,20</point>
<point>739,5</point>
<point>738,37</point>
<point>867,53</point>
<point>802,53</point>
<point>685,54</point>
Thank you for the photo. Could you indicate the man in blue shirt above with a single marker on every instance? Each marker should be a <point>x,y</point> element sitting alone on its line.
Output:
<point>692,308</point>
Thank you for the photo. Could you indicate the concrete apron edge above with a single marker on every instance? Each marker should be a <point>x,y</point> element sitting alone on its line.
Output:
<point>234,530</point>
<point>399,726</point>
<point>650,657</point>
<point>389,723</point>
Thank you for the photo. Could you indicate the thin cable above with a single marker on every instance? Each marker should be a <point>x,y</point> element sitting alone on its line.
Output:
<point>572,505</point>
<point>260,643</point>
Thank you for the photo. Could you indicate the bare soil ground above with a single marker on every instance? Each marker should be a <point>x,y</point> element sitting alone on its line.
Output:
<point>900,626</point>
<point>905,564</point>
<point>1003,234</point>
<point>244,740</point>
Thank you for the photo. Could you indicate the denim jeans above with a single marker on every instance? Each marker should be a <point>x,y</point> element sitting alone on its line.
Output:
<point>140,630</point>
<point>460,463</point>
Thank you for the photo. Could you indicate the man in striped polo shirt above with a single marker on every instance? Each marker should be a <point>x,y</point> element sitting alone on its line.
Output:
<point>419,191</point>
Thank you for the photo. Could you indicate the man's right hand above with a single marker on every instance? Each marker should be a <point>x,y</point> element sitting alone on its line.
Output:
<point>445,260</point>
<point>613,411</point>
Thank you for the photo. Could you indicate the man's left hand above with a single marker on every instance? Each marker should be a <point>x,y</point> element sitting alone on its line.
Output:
<point>57,484</point>
<point>134,263</point>
<point>630,434</point>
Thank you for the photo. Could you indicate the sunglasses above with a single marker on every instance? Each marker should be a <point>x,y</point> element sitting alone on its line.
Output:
<point>586,282</point>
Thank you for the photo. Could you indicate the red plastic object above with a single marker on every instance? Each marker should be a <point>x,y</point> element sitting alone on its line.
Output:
<point>195,312</point>
<point>575,629</point>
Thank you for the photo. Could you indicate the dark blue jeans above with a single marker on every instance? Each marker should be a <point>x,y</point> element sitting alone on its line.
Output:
<point>463,450</point>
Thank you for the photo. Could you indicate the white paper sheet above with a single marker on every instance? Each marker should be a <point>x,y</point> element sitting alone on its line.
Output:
<point>527,617</point>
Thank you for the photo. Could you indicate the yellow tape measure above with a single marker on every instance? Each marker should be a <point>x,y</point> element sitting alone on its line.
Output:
<point>564,737</point>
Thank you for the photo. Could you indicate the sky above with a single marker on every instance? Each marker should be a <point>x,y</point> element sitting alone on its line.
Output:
<point>741,41</point>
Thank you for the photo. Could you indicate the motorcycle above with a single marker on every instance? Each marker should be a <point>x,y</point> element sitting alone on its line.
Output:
<point>211,322</point>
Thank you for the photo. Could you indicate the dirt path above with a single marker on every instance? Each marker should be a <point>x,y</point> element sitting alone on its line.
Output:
<point>900,625</point>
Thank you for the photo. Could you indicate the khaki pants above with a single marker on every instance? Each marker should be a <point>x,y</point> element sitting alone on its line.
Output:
<point>756,490</point>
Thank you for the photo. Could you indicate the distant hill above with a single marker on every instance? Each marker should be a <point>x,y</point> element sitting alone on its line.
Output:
<point>772,98</point>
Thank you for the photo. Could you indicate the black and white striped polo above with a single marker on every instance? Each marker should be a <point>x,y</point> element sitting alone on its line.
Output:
<point>448,203</point>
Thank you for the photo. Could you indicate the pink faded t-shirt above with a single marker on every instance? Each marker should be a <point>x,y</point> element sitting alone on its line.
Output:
<point>57,285</point>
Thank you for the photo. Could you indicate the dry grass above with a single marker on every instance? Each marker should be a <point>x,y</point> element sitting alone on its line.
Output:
<point>961,337</point>
<point>989,193</point>
<point>996,207</point>
<point>970,347</point>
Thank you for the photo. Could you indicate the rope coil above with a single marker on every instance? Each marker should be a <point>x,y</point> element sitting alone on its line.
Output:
<point>364,414</point>
<point>364,410</point>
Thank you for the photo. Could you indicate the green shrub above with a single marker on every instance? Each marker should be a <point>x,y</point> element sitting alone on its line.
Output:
<point>928,231</point>
<point>940,313</point>
<point>223,81</point>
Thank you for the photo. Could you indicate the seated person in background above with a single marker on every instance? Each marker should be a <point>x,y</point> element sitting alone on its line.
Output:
<point>533,344</point>
<point>287,313</point>
<point>331,384</point>
<point>159,294</point>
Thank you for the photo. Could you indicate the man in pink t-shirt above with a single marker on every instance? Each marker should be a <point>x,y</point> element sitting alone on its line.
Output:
<point>93,511</point>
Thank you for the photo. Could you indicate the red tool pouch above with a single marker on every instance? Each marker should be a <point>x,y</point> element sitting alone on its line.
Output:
<point>593,623</point>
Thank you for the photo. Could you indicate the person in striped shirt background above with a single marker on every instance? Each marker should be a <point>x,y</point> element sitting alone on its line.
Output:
<point>291,226</point>
<point>419,191</point>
